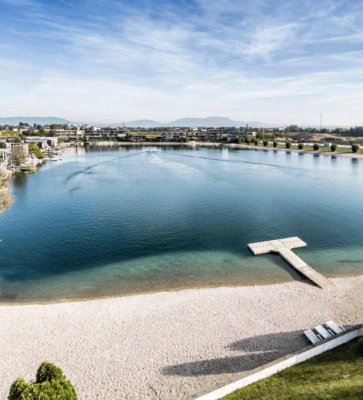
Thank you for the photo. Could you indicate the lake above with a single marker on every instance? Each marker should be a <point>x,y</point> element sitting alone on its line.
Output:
<point>105,222</point>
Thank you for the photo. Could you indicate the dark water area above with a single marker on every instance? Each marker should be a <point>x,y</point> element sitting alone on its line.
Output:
<point>107,222</point>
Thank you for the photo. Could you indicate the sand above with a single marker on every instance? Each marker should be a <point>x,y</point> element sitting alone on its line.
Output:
<point>170,345</point>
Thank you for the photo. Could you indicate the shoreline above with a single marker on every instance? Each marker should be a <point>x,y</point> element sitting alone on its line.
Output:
<point>311,152</point>
<point>226,145</point>
<point>6,198</point>
<point>177,344</point>
<point>207,286</point>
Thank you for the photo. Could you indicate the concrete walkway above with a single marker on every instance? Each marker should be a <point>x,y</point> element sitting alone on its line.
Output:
<point>283,248</point>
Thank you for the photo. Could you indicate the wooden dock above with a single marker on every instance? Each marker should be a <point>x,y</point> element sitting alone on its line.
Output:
<point>283,248</point>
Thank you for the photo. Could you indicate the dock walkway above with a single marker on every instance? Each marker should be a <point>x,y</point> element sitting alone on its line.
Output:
<point>283,248</point>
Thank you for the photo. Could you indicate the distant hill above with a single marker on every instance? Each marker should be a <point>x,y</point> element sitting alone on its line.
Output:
<point>142,123</point>
<point>33,120</point>
<point>208,122</point>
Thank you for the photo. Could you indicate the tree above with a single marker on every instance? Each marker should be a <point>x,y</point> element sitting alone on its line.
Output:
<point>275,144</point>
<point>292,128</point>
<point>300,146</point>
<point>357,131</point>
<point>355,148</point>
<point>34,148</point>
<point>316,146</point>
<point>288,145</point>
<point>247,140</point>
<point>50,384</point>
<point>333,147</point>
<point>265,143</point>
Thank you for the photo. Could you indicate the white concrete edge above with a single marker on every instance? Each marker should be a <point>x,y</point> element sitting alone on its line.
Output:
<point>282,363</point>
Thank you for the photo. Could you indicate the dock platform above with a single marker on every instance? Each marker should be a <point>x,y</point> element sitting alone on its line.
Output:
<point>283,248</point>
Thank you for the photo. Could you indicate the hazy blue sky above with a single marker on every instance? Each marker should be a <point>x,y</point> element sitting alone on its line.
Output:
<point>279,61</point>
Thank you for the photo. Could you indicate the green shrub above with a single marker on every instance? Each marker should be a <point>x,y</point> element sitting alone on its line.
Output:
<point>300,146</point>
<point>48,372</point>
<point>256,142</point>
<point>17,389</point>
<point>333,147</point>
<point>34,148</point>
<point>275,144</point>
<point>238,140</point>
<point>355,148</point>
<point>265,143</point>
<point>50,384</point>
<point>288,145</point>
<point>247,140</point>
<point>316,146</point>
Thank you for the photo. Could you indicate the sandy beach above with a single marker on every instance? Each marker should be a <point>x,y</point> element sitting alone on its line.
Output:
<point>170,345</point>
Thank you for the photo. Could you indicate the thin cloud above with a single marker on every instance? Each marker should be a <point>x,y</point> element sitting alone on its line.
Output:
<point>166,59</point>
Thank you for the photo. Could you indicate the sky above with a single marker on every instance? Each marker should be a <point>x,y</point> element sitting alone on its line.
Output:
<point>273,61</point>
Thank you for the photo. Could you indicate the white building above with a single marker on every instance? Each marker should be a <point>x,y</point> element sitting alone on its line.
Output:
<point>68,134</point>
<point>4,158</point>
<point>43,142</point>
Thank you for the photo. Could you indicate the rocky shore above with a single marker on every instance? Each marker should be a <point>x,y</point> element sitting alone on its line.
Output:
<point>5,195</point>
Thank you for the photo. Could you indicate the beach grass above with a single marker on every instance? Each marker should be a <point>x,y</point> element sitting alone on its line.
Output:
<point>334,375</point>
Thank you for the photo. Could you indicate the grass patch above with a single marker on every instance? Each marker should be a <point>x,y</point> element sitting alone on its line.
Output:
<point>334,375</point>
<point>9,133</point>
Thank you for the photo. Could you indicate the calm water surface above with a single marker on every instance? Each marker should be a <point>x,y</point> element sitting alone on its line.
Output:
<point>122,221</point>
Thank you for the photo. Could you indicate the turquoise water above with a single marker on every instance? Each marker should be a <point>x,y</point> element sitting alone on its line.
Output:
<point>110,222</point>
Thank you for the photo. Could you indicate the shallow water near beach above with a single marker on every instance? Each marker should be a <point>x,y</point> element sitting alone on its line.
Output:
<point>106,222</point>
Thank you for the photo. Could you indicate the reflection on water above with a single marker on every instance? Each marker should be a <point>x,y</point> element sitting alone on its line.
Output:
<point>5,200</point>
<point>106,221</point>
<point>19,180</point>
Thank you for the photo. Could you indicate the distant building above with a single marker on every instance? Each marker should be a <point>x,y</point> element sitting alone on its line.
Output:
<point>4,158</point>
<point>43,142</point>
<point>169,136</point>
<point>19,152</point>
<point>68,134</point>
<point>104,134</point>
<point>7,140</point>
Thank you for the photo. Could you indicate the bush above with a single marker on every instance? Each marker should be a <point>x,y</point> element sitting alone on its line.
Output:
<point>333,147</point>
<point>50,384</point>
<point>34,148</point>
<point>300,146</point>
<point>355,148</point>
<point>275,144</point>
<point>48,372</point>
<point>17,389</point>
<point>247,140</point>
<point>288,145</point>
<point>265,143</point>
<point>256,142</point>
<point>316,146</point>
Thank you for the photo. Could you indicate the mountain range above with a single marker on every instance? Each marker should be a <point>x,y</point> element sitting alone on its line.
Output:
<point>208,122</point>
<point>33,120</point>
